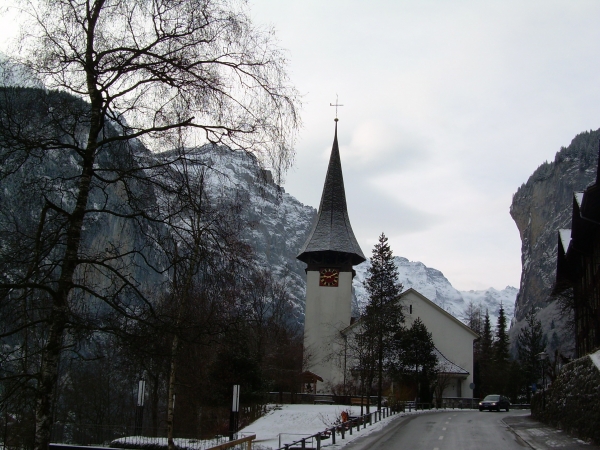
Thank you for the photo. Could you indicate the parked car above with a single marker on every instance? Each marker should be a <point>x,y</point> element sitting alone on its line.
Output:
<point>494,403</point>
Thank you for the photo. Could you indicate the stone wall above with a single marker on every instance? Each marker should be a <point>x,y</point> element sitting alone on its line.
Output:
<point>573,400</point>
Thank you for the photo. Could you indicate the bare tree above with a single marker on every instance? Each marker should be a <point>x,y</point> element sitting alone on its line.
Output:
<point>360,349</point>
<point>204,237</point>
<point>144,71</point>
<point>443,379</point>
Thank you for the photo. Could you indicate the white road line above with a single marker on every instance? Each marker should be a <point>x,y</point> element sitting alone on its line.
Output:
<point>441,438</point>
<point>443,428</point>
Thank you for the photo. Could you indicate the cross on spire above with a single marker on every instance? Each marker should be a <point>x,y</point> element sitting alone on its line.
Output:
<point>336,104</point>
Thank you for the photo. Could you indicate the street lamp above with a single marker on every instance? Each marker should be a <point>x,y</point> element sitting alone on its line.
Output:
<point>542,356</point>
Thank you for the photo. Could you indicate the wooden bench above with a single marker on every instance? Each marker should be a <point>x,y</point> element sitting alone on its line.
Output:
<point>357,401</point>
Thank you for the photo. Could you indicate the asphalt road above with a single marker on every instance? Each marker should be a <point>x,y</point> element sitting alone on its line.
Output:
<point>449,430</point>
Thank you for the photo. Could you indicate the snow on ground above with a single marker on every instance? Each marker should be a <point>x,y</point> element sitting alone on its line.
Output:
<point>145,442</point>
<point>596,358</point>
<point>289,423</point>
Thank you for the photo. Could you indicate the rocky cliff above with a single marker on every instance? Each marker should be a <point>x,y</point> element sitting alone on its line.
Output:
<point>540,207</point>
<point>278,224</point>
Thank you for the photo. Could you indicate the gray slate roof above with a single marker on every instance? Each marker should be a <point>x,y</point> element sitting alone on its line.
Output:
<point>332,231</point>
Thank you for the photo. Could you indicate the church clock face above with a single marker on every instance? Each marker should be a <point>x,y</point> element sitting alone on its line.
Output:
<point>329,277</point>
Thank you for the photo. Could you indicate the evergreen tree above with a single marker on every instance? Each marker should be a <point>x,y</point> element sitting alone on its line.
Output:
<point>530,343</point>
<point>414,357</point>
<point>501,357</point>
<point>501,344</point>
<point>487,340</point>
<point>484,362</point>
<point>473,318</point>
<point>383,316</point>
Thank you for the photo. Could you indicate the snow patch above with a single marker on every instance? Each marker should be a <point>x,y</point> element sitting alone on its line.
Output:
<point>565,238</point>
<point>596,359</point>
<point>289,423</point>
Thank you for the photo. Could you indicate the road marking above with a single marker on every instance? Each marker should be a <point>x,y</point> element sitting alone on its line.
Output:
<point>443,428</point>
<point>447,423</point>
<point>441,438</point>
<point>436,448</point>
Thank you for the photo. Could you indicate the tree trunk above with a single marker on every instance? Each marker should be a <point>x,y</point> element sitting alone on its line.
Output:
<point>171,397</point>
<point>154,413</point>
<point>47,381</point>
<point>380,372</point>
<point>58,318</point>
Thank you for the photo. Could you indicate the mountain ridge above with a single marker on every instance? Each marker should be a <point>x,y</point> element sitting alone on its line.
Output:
<point>432,283</point>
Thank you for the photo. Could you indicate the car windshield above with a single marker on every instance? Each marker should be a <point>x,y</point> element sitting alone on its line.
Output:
<point>491,398</point>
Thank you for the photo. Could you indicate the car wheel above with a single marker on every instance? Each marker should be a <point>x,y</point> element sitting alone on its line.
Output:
<point>480,409</point>
<point>507,408</point>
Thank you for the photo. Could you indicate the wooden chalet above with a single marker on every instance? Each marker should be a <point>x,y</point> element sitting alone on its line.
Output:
<point>578,267</point>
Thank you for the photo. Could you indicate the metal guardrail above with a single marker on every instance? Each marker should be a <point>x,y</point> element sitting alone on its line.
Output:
<point>330,433</point>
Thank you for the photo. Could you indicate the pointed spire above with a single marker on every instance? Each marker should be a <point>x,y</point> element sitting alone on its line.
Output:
<point>332,231</point>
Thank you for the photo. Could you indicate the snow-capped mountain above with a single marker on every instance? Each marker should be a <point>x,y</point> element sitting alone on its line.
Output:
<point>280,225</point>
<point>435,286</point>
<point>277,223</point>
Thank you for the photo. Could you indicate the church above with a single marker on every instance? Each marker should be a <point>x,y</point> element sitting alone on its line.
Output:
<point>330,252</point>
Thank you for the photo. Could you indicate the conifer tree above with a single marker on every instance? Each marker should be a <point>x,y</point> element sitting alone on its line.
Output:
<point>501,344</point>
<point>530,343</point>
<point>414,356</point>
<point>383,316</point>
<point>501,356</point>
<point>485,357</point>
<point>473,318</point>
<point>487,339</point>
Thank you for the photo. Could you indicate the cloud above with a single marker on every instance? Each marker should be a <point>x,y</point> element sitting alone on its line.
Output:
<point>377,146</point>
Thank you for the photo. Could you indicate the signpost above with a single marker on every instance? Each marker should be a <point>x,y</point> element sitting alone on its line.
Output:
<point>139,410</point>
<point>235,412</point>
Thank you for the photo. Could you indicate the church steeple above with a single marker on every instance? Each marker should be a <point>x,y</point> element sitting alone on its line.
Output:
<point>332,233</point>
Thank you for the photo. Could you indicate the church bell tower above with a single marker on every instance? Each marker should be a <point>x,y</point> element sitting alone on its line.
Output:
<point>330,253</point>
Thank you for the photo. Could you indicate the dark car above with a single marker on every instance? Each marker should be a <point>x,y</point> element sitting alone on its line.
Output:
<point>494,403</point>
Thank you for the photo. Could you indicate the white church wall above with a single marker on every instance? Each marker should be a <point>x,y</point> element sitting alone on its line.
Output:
<point>450,336</point>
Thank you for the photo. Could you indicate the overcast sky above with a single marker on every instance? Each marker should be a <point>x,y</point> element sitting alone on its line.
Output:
<point>448,108</point>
